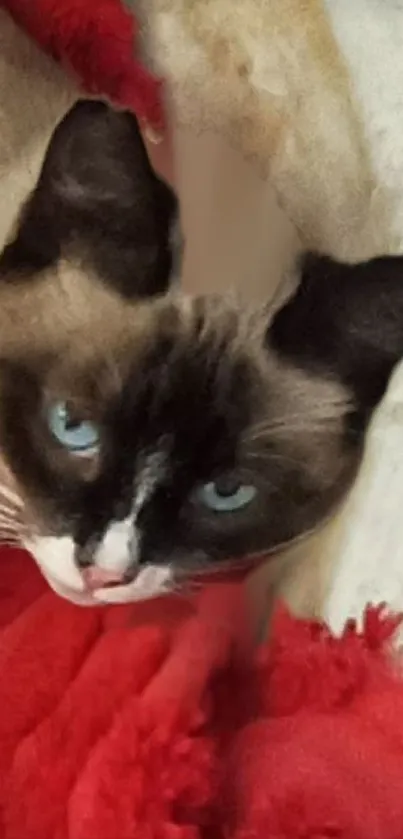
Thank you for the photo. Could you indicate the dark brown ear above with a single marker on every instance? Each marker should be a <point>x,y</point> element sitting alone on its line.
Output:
<point>97,199</point>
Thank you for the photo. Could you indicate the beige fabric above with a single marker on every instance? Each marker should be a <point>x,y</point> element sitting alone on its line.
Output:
<point>34,94</point>
<point>236,236</point>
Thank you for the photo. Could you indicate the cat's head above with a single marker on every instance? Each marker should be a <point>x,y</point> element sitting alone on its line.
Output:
<point>145,441</point>
<point>166,447</point>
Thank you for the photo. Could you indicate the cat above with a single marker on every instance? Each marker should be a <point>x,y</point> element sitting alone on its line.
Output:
<point>31,104</point>
<point>311,91</point>
<point>151,438</point>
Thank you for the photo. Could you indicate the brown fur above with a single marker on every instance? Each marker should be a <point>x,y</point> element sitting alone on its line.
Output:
<point>60,311</point>
<point>303,420</point>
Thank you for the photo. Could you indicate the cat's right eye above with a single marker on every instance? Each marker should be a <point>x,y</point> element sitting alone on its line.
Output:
<point>226,495</point>
<point>80,437</point>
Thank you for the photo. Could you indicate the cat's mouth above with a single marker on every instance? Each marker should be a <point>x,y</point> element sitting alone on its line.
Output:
<point>146,584</point>
<point>95,578</point>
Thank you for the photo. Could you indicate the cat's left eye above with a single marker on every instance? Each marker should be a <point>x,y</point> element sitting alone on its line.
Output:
<point>80,437</point>
<point>223,497</point>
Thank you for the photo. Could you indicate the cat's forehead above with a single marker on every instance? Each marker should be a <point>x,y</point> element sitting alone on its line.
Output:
<point>197,358</point>
<point>176,341</point>
<point>203,369</point>
<point>182,375</point>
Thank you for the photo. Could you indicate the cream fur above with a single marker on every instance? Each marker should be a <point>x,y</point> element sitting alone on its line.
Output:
<point>312,91</point>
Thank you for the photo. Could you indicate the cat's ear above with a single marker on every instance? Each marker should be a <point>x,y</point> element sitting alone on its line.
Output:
<point>96,165</point>
<point>98,195</point>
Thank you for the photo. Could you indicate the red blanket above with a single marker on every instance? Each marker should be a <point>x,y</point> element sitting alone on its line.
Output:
<point>95,39</point>
<point>157,721</point>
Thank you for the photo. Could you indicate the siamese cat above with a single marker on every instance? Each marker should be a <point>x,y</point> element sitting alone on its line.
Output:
<point>150,438</point>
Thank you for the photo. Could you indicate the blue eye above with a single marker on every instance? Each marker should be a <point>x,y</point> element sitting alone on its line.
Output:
<point>226,501</point>
<point>79,437</point>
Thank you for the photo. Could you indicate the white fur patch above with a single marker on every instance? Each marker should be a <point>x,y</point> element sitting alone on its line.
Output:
<point>119,546</point>
<point>55,558</point>
<point>117,552</point>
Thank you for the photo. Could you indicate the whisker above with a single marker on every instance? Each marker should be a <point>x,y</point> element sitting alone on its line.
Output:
<point>11,527</point>
<point>316,418</point>
<point>9,531</point>
<point>311,424</point>
<point>10,501</point>
<point>9,522</point>
<point>11,496</point>
<point>275,457</point>
<point>14,533</point>
<point>11,517</point>
<point>10,543</point>
<point>5,514</point>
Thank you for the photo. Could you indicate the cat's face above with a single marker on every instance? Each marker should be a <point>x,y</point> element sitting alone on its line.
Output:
<point>146,441</point>
<point>178,445</point>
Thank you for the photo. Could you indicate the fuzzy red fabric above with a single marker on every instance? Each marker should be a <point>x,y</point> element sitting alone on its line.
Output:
<point>95,40</point>
<point>156,721</point>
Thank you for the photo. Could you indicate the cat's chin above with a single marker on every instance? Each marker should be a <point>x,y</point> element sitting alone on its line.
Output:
<point>150,583</point>
<point>79,598</point>
<point>55,558</point>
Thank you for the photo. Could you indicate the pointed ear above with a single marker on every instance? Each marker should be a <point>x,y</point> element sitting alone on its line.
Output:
<point>98,199</point>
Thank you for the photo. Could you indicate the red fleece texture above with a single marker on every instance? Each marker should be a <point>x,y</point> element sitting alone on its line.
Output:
<point>158,721</point>
<point>95,40</point>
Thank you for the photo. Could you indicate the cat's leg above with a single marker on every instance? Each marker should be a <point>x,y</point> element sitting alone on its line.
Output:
<point>236,236</point>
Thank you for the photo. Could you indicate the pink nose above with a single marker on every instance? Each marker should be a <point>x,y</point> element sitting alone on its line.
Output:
<point>95,578</point>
